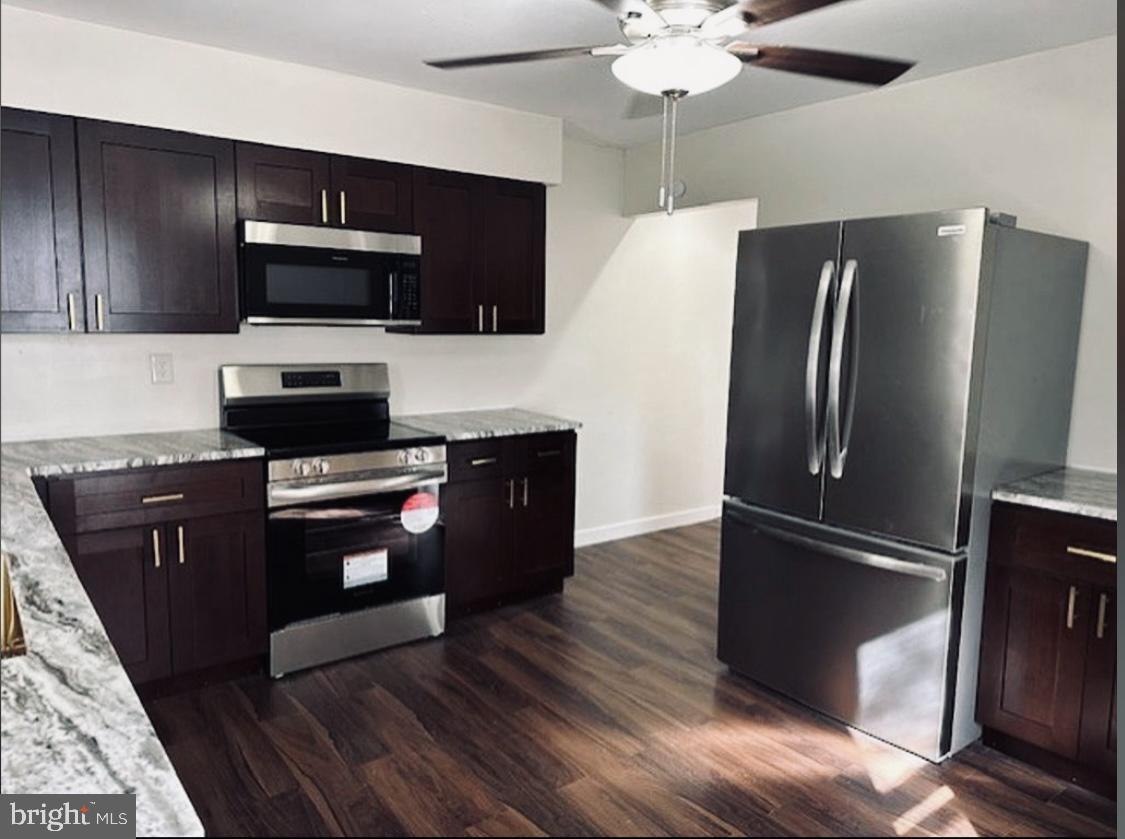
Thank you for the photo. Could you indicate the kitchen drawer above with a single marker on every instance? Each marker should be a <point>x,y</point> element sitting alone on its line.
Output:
<point>1059,544</point>
<point>474,460</point>
<point>547,454</point>
<point>102,501</point>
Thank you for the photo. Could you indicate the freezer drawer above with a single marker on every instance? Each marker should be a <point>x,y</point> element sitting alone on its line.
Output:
<point>863,630</point>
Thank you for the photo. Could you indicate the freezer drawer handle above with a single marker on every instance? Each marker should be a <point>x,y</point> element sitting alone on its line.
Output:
<point>847,311</point>
<point>885,563</point>
<point>814,435</point>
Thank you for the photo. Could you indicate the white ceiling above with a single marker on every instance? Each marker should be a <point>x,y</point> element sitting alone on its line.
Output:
<point>388,40</point>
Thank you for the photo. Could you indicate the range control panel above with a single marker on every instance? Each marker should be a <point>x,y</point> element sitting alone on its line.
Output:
<point>310,378</point>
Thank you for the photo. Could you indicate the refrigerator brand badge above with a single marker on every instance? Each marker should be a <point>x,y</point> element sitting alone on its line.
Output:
<point>362,569</point>
<point>951,230</point>
<point>419,512</point>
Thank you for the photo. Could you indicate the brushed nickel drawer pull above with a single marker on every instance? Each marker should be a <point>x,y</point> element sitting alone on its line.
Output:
<point>324,206</point>
<point>163,499</point>
<point>156,547</point>
<point>525,492</point>
<point>480,317</point>
<point>343,207</point>
<point>1103,600</point>
<point>495,310</point>
<point>99,312</point>
<point>1098,555</point>
<point>549,453</point>
<point>1070,598</point>
<point>180,540</point>
<point>482,461</point>
<point>71,317</point>
<point>511,482</point>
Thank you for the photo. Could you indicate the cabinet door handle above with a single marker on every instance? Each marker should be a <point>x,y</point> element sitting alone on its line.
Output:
<point>162,499</point>
<point>482,461</point>
<point>180,541</point>
<point>495,310</point>
<point>480,317</point>
<point>1103,601</point>
<point>71,316</point>
<point>156,547</point>
<point>99,312</point>
<point>324,206</point>
<point>511,482</point>
<point>525,492</point>
<point>1098,555</point>
<point>343,207</point>
<point>1070,598</point>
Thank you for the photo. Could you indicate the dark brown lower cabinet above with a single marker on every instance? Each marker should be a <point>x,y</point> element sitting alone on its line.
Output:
<point>509,519</point>
<point>129,591</point>
<point>179,593</point>
<point>1048,646</point>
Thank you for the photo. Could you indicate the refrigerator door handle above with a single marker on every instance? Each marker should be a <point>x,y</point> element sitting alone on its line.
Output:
<point>873,560</point>
<point>814,430</point>
<point>847,313</point>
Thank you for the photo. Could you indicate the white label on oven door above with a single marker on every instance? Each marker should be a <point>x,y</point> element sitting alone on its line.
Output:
<point>365,568</point>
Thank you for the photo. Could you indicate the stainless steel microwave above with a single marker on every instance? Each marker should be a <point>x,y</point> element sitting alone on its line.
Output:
<point>299,274</point>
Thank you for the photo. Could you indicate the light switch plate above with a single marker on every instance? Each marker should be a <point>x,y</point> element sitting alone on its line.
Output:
<point>160,363</point>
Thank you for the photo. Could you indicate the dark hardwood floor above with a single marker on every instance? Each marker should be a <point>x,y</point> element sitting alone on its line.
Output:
<point>599,711</point>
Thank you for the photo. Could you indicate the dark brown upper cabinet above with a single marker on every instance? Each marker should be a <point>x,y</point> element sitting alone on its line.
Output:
<point>283,185</point>
<point>373,195</point>
<point>292,186</point>
<point>40,243</point>
<point>514,245</point>
<point>483,243</point>
<point>158,221</point>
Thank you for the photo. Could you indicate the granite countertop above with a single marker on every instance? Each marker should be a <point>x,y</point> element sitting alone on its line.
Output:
<point>70,721</point>
<point>475,425</point>
<point>1081,492</point>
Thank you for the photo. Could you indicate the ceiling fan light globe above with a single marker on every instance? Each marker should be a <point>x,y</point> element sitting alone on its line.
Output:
<point>681,63</point>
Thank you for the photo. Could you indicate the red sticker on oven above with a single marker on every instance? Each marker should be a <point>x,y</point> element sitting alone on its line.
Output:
<point>419,512</point>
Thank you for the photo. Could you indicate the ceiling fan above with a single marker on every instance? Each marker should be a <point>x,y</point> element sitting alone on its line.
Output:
<point>678,48</point>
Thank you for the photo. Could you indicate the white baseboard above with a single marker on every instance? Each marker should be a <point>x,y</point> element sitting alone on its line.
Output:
<point>637,527</point>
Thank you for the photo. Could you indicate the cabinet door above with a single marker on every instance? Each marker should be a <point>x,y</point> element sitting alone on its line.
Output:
<point>1033,658</point>
<point>283,185</point>
<point>218,589</point>
<point>514,253</point>
<point>373,195</point>
<point>40,244</point>
<point>447,218</point>
<point>125,572</point>
<point>544,544</point>
<point>158,215</point>
<point>1098,742</point>
<point>478,540</point>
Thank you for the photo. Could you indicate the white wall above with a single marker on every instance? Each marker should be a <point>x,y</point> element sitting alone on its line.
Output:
<point>1035,136</point>
<point>58,64</point>
<point>638,332</point>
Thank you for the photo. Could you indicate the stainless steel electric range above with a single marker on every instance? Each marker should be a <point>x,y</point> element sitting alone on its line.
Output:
<point>354,532</point>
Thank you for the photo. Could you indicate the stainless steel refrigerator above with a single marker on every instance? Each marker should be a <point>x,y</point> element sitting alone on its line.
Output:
<point>885,374</point>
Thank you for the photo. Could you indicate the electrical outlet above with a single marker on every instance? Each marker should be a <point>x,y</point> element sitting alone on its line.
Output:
<point>160,363</point>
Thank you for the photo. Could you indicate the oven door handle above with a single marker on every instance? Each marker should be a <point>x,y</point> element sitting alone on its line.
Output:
<point>280,494</point>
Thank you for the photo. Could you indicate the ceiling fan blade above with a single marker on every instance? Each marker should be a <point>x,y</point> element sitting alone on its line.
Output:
<point>643,105</point>
<point>761,12</point>
<point>829,65</point>
<point>515,57</point>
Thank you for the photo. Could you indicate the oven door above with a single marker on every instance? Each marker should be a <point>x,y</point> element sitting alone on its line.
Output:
<point>344,554</point>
